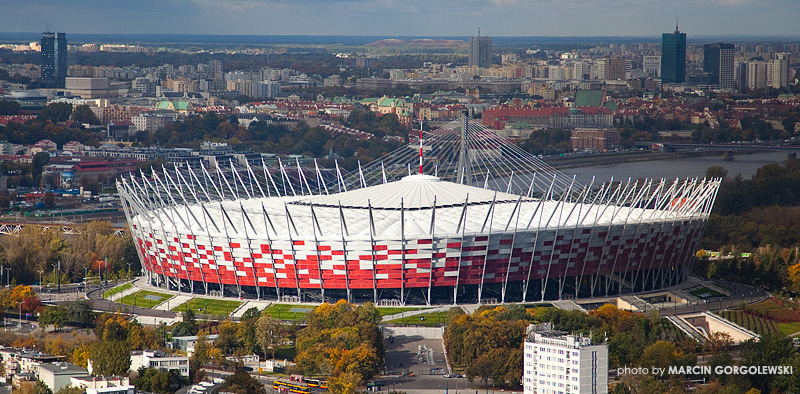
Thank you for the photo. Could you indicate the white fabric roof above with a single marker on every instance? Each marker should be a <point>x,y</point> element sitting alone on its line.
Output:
<point>414,191</point>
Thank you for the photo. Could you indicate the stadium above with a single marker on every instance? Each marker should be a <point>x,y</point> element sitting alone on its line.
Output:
<point>474,219</point>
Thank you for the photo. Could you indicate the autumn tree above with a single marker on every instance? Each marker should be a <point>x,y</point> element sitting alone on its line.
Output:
<point>342,341</point>
<point>269,333</point>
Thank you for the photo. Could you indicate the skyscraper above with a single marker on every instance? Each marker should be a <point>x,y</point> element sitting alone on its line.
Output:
<point>673,57</point>
<point>54,59</point>
<point>718,64</point>
<point>480,51</point>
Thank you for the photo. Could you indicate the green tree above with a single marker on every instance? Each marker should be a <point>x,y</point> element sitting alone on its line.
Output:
<point>84,114</point>
<point>242,383</point>
<point>8,107</point>
<point>57,316</point>
<point>80,312</point>
<point>71,390</point>
<point>159,381</point>
<point>110,357</point>
<point>56,112</point>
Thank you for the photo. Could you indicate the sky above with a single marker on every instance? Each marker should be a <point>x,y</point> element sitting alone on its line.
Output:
<point>405,17</point>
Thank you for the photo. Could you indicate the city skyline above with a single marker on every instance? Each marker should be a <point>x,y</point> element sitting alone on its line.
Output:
<point>414,18</point>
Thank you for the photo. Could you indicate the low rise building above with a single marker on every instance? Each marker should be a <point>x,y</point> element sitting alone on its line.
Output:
<point>58,375</point>
<point>103,385</point>
<point>160,360</point>
<point>595,139</point>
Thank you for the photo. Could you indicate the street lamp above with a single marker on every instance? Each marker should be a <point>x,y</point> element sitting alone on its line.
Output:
<point>40,280</point>
<point>58,274</point>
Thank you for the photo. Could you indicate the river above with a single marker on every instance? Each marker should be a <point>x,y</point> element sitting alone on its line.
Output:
<point>684,167</point>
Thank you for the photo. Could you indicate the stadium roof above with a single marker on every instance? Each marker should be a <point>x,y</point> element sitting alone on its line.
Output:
<point>414,191</point>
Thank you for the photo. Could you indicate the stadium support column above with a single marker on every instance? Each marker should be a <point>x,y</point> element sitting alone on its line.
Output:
<point>464,164</point>
<point>372,253</point>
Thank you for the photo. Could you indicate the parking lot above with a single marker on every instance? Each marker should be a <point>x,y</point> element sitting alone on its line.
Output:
<point>417,365</point>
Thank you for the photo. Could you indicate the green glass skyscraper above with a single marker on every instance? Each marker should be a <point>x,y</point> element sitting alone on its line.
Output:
<point>54,59</point>
<point>673,57</point>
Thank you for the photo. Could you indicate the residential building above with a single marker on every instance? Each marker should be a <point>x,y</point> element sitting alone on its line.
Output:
<point>58,375</point>
<point>556,362</point>
<point>103,385</point>
<point>480,51</point>
<point>756,74</point>
<point>267,89</point>
<point>160,360</point>
<point>152,121</point>
<point>17,360</point>
<point>778,71</point>
<point>54,59</point>
<point>718,64</point>
<point>614,68</point>
<point>595,139</point>
<point>188,343</point>
<point>673,57</point>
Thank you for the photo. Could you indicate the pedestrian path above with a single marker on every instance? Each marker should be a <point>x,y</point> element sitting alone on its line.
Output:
<point>171,303</point>
<point>260,305</point>
<point>123,293</point>
<point>417,312</point>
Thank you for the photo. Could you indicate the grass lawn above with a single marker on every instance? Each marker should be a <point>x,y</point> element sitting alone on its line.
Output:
<point>391,310</point>
<point>285,312</point>
<point>209,306</point>
<point>789,328</point>
<point>433,319</point>
<point>144,298</point>
<point>114,290</point>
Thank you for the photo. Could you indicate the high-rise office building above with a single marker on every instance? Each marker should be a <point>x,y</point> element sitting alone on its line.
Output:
<point>54,59</point>
<point>673,57</point>
<point>480,51</point>
<point>718,64</point>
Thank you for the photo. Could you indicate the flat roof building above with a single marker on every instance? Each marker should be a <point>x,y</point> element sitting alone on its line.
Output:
<point>556,363</point>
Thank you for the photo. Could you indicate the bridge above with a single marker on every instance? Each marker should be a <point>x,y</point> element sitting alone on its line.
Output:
<point>727,148</point>
<point>14,228</point>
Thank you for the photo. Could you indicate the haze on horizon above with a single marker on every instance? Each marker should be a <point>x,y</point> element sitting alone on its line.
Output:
<point>406,17</point>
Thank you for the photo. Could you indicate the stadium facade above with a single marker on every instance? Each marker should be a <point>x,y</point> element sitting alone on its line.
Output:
<point>482,222</point>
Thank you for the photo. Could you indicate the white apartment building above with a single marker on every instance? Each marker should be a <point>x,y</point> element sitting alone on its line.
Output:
<point>651,66</point>
<point>558,363</point>
<point>778,71</point>
<point>159,359</point>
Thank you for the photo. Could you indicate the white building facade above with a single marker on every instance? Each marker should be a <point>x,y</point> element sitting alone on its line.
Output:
<point>558,363</point>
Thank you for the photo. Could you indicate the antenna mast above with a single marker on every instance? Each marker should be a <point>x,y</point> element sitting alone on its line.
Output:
<point>420,146</point>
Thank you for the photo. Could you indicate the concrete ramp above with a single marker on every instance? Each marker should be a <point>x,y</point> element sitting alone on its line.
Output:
<point>260,305</point>
<point>172,303</point>
<point>123,293</point>
<point>709,323</point>
<point>568,305</point>
<point>688,329</point>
